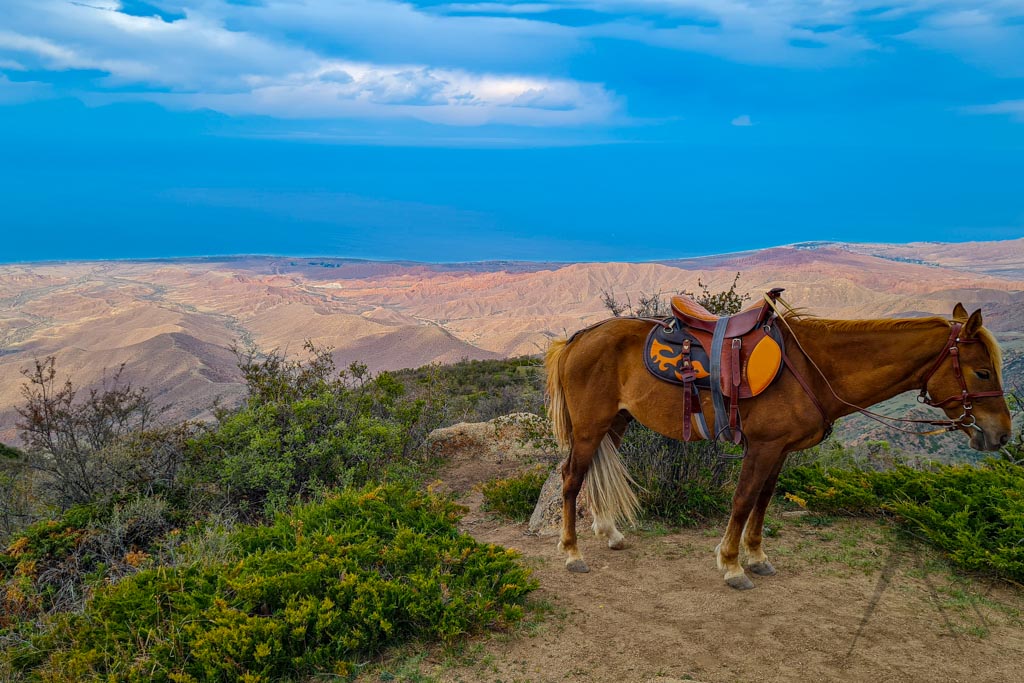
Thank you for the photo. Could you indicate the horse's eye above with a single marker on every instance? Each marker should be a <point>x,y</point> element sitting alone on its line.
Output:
<point>983,374</point>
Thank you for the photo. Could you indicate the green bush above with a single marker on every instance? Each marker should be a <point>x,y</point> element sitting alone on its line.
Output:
<point>318,590</point>
<point>481,390</point>
<point>303,426</point>
<point>681,483</point>
<point>515,497</point>
<point>831,490</point>
<point>973,513</point>
<point>50,566</point>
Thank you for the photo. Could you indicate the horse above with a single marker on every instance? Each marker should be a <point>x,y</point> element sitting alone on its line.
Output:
<point>597,385</point>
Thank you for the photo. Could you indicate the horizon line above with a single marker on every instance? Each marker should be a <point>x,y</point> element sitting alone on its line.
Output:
<point>239,256</point>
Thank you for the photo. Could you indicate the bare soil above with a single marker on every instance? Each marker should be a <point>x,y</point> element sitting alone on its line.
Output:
<point>854,600</point>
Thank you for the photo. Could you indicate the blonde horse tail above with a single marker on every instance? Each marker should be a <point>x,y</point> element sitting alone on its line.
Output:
<point>557,408</point>
<point>610,487</point>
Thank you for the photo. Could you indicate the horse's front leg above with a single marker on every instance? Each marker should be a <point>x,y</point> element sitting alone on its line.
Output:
<point>757,560</point>
<point>758,465</point>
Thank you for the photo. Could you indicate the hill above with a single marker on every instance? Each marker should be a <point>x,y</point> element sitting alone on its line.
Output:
<point>171,322</point>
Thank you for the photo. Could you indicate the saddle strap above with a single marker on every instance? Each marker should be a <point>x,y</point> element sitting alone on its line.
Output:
<point>715,359</point>
<point>702,423</point>
<point>810,394</point>
<point>688,388</point>
<point>734,398</point>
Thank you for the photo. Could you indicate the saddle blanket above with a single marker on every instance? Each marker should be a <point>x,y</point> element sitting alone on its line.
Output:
<point>667,350</point>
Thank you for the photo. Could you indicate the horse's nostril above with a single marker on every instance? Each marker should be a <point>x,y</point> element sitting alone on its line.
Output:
<point>1004,439</point>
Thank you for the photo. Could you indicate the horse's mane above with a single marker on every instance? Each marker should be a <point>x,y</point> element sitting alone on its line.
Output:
<point>802,318</point>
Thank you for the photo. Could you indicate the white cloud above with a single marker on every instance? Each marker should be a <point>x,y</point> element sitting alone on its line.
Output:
<point>989,35</point>
<point>743,121</point>
<point>460,63</point>
<point>359,90</point>
<point>197,62</point>
<point>1012,108</point>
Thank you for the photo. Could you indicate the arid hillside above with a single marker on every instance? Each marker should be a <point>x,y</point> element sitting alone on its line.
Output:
<point>172,322</point>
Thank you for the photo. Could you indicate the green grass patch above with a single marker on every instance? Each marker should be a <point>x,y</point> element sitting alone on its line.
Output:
<point>515,497</point>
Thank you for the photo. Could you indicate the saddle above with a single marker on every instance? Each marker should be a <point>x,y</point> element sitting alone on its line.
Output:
<point>734,357</point>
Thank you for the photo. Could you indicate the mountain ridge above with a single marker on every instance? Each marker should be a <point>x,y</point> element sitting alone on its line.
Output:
<point>173,321</point>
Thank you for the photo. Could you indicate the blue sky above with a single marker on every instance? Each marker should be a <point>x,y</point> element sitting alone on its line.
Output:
<point>564,130</point>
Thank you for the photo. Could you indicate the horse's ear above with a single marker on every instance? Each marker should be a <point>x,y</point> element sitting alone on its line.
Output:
<point>960,313</point>
<point>972,325</point>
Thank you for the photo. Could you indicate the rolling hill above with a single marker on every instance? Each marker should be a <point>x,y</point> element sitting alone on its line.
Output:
<point>172,322</point>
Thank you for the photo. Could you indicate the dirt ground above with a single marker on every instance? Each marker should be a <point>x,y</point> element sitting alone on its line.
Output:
<point>853,600</point>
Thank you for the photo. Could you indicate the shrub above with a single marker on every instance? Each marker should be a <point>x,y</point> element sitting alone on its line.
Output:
<point>515,497</point>
<point>316,591</point>
<point>104,445</point>
<point>306,425</point>
<point>481,390</point>
<point>17,496</point>
<point>50,566</point>
<point>681,483</point>
<point>973,513</point>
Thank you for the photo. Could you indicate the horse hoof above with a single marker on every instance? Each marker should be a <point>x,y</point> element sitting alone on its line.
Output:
<point>617,544</point>
<point>740,583</point>
<point>578,566</point>
<point>762,568</point>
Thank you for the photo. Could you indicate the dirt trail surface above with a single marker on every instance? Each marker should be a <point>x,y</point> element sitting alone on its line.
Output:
<point>853,601</point>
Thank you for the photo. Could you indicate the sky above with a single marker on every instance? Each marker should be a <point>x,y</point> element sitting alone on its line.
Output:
<point>541,130</point>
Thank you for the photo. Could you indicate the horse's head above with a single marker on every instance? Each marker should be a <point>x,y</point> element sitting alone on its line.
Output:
<point>967,383</point>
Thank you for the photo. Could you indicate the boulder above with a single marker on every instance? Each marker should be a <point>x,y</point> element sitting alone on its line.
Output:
<point>517,437</point>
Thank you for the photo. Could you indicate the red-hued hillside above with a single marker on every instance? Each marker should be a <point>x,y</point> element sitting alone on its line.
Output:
<point>172,321</point>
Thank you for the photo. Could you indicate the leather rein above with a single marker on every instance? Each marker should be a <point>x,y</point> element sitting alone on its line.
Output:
<point>951,349</point>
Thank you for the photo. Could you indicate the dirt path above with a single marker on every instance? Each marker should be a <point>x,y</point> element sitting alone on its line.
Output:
<point>852,602</point>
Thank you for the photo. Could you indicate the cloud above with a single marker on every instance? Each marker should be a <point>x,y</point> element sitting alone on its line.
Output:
<point>743,121</point>
<point>470,63</point>
<point>196,62</point>
<point>989,35</point>
<point>1012,108</point>
<point>417,92</point>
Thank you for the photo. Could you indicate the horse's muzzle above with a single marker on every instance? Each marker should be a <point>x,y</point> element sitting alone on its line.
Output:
<point>989,440</point>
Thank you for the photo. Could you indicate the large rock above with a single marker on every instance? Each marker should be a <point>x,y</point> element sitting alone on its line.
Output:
<point>518,437</point>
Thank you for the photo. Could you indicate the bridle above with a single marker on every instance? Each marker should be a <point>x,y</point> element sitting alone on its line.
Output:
<point>951,349</point>
<point>966,397</point>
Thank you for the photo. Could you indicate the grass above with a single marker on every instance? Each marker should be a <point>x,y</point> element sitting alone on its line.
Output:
<point>515,497</point>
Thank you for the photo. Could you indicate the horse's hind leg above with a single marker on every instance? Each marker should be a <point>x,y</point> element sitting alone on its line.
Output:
<point>757,560</point>
<point>573,472</point>
<point>604,520</point>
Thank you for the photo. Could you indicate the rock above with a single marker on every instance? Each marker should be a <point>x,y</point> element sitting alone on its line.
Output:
<point>519,436</point>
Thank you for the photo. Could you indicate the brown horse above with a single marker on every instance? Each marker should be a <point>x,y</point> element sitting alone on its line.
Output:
<point>597,384</point>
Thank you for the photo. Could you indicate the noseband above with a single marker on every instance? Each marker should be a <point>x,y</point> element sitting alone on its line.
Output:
<point>966,398</point>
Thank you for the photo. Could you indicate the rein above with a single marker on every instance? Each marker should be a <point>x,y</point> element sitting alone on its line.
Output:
<point>951,349</point>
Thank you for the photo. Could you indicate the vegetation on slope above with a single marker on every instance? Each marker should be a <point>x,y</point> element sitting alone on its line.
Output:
<point>316,591</point>
<point>975,514</point>
<point>289,538</point>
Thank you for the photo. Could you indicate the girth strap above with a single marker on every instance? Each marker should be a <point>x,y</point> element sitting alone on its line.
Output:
<point>717,342</point>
